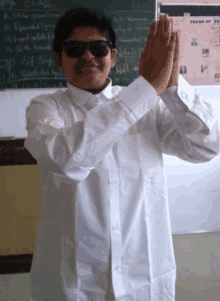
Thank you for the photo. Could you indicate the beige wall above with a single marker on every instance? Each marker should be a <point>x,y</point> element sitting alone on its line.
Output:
<point>20,196</point>
<point>198,266</point>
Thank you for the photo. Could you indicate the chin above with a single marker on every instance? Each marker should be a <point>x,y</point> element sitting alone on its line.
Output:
<point>88,82</point>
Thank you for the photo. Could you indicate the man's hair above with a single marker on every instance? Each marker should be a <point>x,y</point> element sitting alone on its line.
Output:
<point>81,16</point>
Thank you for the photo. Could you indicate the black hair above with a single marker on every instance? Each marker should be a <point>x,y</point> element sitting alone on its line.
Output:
<point>82,16</point>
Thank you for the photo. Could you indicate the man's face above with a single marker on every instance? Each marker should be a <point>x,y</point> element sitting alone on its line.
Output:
<point>87,72</point>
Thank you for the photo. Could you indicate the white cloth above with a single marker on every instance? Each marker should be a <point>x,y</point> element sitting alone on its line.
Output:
<point>103,182</point>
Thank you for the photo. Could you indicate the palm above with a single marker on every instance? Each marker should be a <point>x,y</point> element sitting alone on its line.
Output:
<point>160,60</point>
<point>156,63</point>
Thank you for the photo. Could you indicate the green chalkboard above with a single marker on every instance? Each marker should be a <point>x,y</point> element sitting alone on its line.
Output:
<point>27,31</point>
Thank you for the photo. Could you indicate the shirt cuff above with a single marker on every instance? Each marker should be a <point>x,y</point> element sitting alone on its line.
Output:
<point>140,97</point>
<point>179,98</point>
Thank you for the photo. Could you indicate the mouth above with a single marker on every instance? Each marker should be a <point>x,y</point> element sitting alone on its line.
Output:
<point>89,66</point>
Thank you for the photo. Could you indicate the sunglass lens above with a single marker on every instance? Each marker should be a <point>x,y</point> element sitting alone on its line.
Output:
<point>76,49</point>
<point>99,49</point>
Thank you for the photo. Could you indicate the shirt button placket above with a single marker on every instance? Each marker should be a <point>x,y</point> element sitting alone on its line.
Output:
<point>116,240</point>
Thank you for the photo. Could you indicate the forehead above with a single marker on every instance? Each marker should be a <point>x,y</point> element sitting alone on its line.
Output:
<point>86,34</point>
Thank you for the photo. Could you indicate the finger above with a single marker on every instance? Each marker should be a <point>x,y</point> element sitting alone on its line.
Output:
<point>173,41</point>
<point>175,72</point>
<point>172,45</point>
<point>171,24</point>
<point>177,49</point>
<point>148,45</point>
<point>159,31</point>
<point>161,18</point>
<point>148,50</point>
<point>163,25</point>
<point>167,31</point>
<point>152,30</point>
<point>170,28</point>
<point>164,29</point>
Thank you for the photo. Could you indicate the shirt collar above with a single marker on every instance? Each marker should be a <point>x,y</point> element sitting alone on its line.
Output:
<point>81,97</point>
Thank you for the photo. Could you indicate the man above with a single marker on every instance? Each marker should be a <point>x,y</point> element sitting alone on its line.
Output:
<point>104,230</point>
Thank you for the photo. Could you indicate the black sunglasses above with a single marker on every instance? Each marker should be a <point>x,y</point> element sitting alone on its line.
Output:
<point>98,48</point>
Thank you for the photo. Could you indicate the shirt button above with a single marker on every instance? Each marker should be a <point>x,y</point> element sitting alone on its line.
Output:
<point>116,267</point>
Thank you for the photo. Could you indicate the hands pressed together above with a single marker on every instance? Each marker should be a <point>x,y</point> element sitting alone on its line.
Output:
<point>159,63</point>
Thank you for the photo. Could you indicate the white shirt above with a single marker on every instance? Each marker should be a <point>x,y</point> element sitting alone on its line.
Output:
<point>102,178</point>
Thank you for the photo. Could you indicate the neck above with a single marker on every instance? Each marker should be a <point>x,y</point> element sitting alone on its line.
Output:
<point>94,90</point>
<point>98,90</point>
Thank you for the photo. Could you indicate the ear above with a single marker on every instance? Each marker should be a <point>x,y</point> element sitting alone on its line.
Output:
<point>57,59</point>
<point>114,54</point>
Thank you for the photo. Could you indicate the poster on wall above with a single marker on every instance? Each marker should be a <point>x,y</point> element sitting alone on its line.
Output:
<point>199,42</point>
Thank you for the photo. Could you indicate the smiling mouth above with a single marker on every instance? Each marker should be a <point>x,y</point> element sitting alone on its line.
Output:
<point>89,67</point>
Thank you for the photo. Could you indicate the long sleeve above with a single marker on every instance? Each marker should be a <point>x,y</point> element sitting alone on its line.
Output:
<point>75,151</point>
<point>187,126</point>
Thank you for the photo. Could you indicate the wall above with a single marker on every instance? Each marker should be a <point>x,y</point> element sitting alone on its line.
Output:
<point>20,196</point>
<point>198,266</point>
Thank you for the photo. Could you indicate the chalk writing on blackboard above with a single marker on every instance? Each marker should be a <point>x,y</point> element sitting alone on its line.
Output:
<point>28,34</point>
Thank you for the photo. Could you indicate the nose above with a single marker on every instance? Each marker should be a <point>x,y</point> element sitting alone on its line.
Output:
<point>87,54</point>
